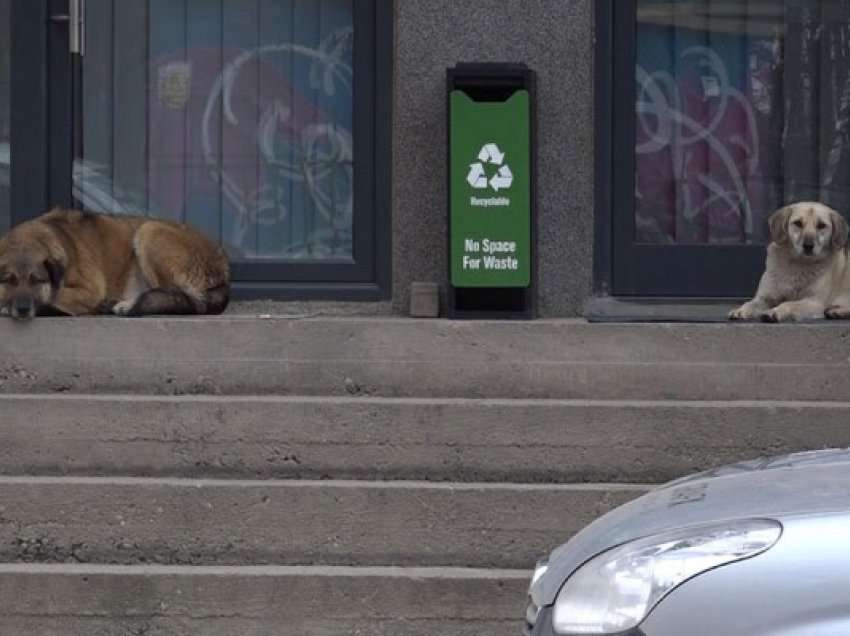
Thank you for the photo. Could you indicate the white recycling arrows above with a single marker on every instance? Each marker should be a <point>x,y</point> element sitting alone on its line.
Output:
<point>477,177</point>
<point>490,153</point>
<point>503,179</point>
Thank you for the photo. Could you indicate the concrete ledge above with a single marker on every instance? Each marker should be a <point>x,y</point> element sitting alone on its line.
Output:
<point>402,357</point>
<point>388,438</point>
<point>292,522</point>
<point>81,600</point>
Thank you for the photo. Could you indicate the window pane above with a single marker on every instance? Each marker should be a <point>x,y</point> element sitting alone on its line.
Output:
<point>232,115</point>
<point>742,106</point>
<point>5,97</point>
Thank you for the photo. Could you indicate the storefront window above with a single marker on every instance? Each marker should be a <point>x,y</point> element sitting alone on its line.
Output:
<point>234,116</point>
<point>741,107</point>
<point>5,96</point>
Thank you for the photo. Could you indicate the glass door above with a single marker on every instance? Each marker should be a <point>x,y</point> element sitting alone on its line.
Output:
<point>724,112</point>
<point>237,117</point>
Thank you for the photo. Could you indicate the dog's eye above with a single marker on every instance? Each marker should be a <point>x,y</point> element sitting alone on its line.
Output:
<point>821,225</point>
<point>36,280</point>
<point>8,279</point>
<point>798,223</point>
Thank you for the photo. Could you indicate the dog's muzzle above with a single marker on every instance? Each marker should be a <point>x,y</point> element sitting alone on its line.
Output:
<point>22,308</point>
<point>808,249</point>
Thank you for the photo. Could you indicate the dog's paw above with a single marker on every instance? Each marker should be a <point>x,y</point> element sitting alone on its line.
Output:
<point>123,308</point>
<point>105,307</point>
<point>741,313</point>
<point>779,314</point>
<point>771,316</point>
<point>4,311</point>
<point>837,312</point>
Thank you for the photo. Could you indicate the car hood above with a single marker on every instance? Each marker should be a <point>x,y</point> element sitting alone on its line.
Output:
<point>774,488</point>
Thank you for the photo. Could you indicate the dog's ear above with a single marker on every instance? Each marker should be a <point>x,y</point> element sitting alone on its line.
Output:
<point>56,272</point>
<point>778,224</point>
<point>839,230</point>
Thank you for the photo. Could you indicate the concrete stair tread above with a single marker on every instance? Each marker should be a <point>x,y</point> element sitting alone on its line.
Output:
<point>400,357</point>
<point>439,573</point>
<point>232,522</point>
<point>418,401</point>
<point>376,438</point>
<point>383,338</point>
<point>72,599</point>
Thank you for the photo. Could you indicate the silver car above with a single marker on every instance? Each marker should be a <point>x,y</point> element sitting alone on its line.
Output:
<point>760,548</point>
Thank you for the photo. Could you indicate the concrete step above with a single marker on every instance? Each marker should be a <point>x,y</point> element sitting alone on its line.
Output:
<point>81,600</point>
<point>231,522</point>
<point>402,357</point>
<point>387,438</point>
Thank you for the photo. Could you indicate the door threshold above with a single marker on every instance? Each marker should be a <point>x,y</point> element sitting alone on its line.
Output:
<point>657,309</point>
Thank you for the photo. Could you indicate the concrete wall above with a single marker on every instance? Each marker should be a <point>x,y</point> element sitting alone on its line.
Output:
<point>554,37</point>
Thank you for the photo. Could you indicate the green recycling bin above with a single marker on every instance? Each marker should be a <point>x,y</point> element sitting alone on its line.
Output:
<point>491,190</point>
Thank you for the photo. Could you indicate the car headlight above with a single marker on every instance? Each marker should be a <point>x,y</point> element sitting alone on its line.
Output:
<point>616,590</point>
<point>532,611</point>
<point>539,571</point>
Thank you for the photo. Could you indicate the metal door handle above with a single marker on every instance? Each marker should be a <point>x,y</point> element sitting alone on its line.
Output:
<point>76,24</point>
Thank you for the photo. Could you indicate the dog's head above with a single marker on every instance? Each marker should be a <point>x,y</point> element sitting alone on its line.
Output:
<point>811,230</point>
<point>30,276</point>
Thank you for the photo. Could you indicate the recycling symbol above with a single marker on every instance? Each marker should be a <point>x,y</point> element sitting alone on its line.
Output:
<point>477,177</point>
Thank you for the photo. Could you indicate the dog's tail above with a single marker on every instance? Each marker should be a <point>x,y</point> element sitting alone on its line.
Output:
<point>174,301</point>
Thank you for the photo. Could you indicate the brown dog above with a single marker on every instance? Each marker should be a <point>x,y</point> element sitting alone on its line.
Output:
<point>78,263</point>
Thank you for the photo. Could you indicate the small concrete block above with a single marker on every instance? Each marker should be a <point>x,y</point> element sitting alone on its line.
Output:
<point>424,300</point>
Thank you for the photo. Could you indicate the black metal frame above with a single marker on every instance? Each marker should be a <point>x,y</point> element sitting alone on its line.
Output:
<point>623,267</point>
<point>43,133</point>
<point>40,175</point>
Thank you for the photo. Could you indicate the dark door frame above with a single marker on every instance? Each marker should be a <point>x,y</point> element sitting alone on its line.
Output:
<point>40,175</point>
<point>42,133</point>
<point>623,267</point>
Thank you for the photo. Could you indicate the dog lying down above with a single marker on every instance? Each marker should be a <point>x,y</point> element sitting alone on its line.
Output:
<point>807,274</point>
<point>75,263</point>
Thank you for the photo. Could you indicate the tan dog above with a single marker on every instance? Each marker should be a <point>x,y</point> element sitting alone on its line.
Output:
<point>807,274</point>
<point>77,263</point>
